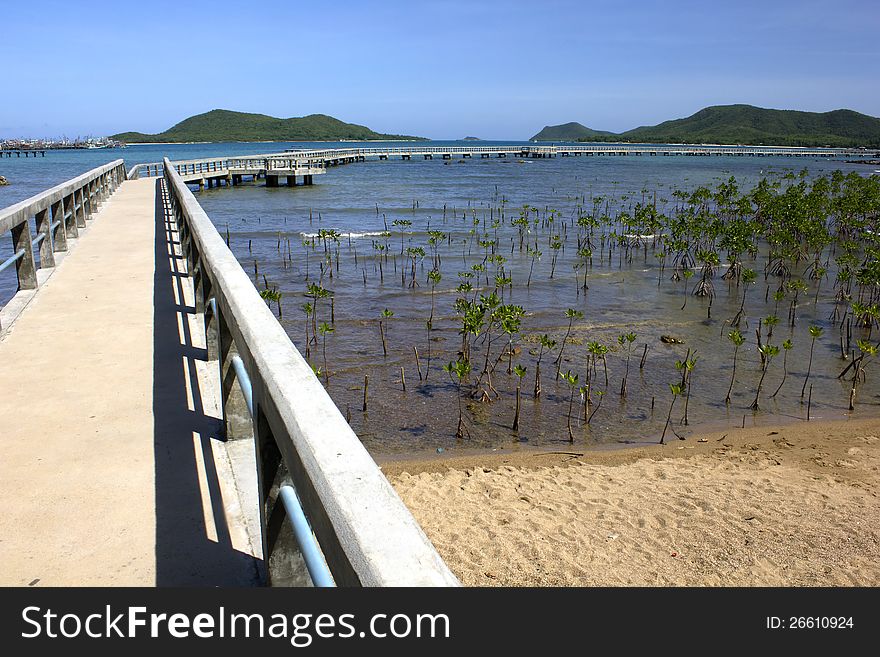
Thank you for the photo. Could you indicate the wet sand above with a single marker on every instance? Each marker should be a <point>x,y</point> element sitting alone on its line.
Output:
<point>793,505</point>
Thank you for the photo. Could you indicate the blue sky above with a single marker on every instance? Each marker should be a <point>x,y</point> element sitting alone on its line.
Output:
<point>445,69</point>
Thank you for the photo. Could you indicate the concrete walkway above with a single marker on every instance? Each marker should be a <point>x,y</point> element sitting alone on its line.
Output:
<point>110,470</point>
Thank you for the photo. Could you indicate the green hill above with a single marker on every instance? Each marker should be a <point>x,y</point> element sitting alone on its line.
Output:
<point>225,125</point>
<point>569,132</point>
<point>745,124</point>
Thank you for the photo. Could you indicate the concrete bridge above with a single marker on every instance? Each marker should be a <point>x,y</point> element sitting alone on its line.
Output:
<point>157,425</point>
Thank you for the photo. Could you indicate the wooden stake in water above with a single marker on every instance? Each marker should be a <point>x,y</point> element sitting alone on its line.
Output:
<point>418,362</point>
<point>403,379</point>
<point>366,390</point>
<point>809,402</point>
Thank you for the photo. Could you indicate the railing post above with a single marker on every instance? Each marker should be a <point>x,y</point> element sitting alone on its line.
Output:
<point>70,222</point>
<point>79,209</point>
<point>212,344</point>
<point>25,266</point>
<point>237,422</point>
<point>281,554</point>
<point>59,234</point>
<point>47,249</point>
<point>89,205</point>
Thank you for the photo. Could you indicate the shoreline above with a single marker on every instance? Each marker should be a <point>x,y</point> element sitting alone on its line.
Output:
<point>522,454</point>
<point>771,505</point>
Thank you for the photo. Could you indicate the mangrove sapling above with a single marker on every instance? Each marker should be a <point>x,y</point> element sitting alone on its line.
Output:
<point>737,339</point>
<point>687,273</point>
<point>626,339</point>
<point>601,394</point>
<point>270,295</point>
<point>676,389</point>
<point>786,346</point>
<point>598,350</point>
<point>520,372</point>
<point>458,371</point>
<point>768,351</point>
<point>316,292</point>
<point>324,329</point>
<point>770,321</point>
<point>868,351</point>
<point>549,345</point>
<point>749,276</point>
<point>384,315</point>
<point>686,367</point>
<point>572,315</point>
<point>307,308</point>
<point>572,381</point>
<point>534,254</point>
<point>815,333</point>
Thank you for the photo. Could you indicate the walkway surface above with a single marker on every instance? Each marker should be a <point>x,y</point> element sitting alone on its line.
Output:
<point>110,470</point>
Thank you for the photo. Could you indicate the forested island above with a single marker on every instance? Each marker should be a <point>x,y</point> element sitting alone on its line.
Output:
<point>224,125</point>
<point>739,124</point>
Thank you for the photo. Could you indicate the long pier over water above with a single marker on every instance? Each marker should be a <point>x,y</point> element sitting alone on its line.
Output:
<point>304,164</point>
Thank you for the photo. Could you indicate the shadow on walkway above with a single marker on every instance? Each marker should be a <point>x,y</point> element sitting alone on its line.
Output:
<point>193,544</point>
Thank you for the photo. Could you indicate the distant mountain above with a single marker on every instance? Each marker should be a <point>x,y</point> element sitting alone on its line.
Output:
<point>225,125</point>
<point>745,124</point>
<point>569,132</point>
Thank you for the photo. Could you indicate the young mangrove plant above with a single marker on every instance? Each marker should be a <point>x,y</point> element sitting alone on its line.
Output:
<point>676,389</point>
<point>572,381</point>
<point>686,367</point>
<point>383,317</point>
<point>572,315</point>
<point>458,371</point>
<point>869,351</point>
<point>786,346</point>
<point>626,339</point>
<point>815,333</point>
<point>307,308</point>
<point>324,329</point>
<point>548,345</point>
<point>520,372</point>
<point>768,352</point>
<point>738,340</point>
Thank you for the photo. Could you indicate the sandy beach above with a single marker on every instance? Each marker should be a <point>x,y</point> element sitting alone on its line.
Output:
<point>793,505</point>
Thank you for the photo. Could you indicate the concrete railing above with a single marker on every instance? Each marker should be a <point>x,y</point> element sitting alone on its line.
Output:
<point>368,537</point>
<point>58,214</point>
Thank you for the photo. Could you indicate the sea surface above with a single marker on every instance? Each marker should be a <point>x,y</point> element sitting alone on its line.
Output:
<point>267,228</point>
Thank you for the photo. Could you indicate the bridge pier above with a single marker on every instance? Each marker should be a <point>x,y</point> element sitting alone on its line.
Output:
<point>428,156</point>
<point>406,157</point>
<point>271,181</point>
<point>307,180</point>
<point>291,181</point>
<point>447,156</point>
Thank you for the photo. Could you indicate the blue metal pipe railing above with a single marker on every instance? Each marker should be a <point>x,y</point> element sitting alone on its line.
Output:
<point>317,567</point>
<point>245,382</point>
<point>12,259</point>
<point>302,530</point>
